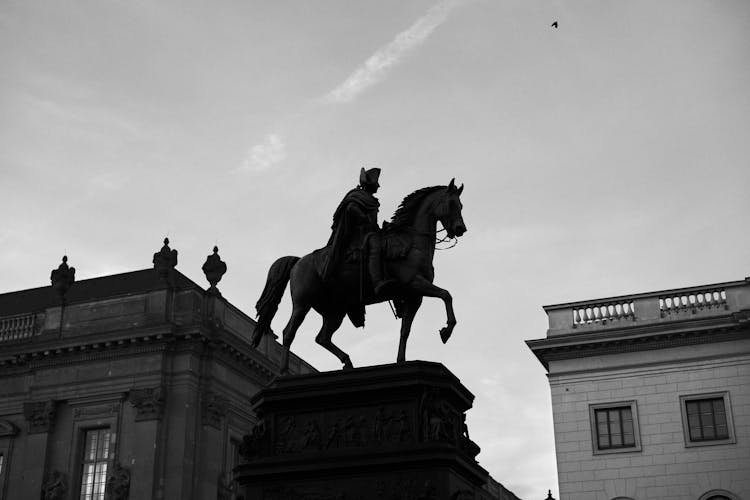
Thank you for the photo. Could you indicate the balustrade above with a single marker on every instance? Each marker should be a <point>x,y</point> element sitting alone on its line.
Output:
<point>695,301</point>
<point>649,308</point>
<point>17,327</point>
<point>602,313</point>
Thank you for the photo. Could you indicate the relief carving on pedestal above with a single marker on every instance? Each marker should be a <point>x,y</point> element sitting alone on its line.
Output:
<point>311,438</point>
<point>257,443</point>
<point>40,416</point>
<point>340,429</point>
<point>303,493</point>
<point>440,421</point>
<point>149,402</point>
<point>405,488</point>
<point>463,495</point>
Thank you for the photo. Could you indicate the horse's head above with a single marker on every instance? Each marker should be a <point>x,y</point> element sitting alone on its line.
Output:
<point>448,210</point>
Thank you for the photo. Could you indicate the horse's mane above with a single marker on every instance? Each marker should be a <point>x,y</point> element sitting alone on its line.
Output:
<point>407,210</point>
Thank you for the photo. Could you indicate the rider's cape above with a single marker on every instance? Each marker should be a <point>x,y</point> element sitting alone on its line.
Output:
<point>344,230</point>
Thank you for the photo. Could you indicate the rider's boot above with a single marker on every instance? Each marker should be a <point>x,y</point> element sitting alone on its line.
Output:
<point>375,266</point>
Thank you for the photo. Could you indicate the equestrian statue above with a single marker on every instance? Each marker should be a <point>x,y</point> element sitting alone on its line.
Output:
<point>364,264</point>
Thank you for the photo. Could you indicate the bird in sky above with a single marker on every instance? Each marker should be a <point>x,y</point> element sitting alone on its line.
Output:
<point>554,25</point>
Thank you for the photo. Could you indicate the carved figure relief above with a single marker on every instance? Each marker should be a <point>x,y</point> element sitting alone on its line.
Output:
<point>335,435</point>
<point>405,488</point>
<point>55,486</point>
<point>40,416</point>
<point>463,494</point>
<point>338,430</point>
<point>303,493</point>
<point>404,431</point>
<point>439,419</point>
<point>311,436</point>
<point>379,427</point>
<point>214,409</point>
<point>149,402</point>
<point>255,444</point>
<point>283,442</point>
<point>118,483</point>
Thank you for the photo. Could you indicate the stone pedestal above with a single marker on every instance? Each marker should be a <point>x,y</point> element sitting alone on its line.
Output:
<point>376,433</point>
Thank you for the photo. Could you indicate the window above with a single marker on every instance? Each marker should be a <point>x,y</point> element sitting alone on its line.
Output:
<point>718,495</point>
<point>614,427</point>
<point>97,455</point>
<point>707,419</point>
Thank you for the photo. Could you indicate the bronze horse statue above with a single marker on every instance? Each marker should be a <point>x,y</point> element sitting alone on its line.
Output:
<point>412,233</point>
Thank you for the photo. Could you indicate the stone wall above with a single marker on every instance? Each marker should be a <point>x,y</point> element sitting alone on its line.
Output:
<point>664,468</point>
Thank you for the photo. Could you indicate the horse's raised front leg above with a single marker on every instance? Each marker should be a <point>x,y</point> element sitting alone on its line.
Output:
<point>290,330</point>
<point>410,310</point>
<point>421,285</point>
<point>331,323</point>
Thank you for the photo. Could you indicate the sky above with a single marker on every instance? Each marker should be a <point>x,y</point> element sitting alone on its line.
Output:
<point>606,156</point>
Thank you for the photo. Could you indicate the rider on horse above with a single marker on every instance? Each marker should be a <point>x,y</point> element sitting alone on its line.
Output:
<point>355,228</point>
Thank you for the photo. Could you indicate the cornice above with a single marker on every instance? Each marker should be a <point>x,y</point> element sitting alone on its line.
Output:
<point>76,350</point>
<point>635,339</point>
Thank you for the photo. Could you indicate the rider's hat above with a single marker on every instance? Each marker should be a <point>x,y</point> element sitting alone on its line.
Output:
<point>369,177</point>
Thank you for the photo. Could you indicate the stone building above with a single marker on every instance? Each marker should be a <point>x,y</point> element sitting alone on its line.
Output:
<point>651,394</point>
<point>135,383</point>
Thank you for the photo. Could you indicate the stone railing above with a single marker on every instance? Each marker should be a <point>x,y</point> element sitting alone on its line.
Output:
<point>16,328</point>
<point>602,313</point>
<point>692,301</point>
<point>649,308</point>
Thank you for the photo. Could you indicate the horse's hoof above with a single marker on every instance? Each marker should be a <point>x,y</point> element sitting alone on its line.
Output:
<point>445,334</point>
<point>348,365</point>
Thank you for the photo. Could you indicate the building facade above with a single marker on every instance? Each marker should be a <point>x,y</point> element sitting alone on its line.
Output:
<point>651,394</point>
<point>134,385</point>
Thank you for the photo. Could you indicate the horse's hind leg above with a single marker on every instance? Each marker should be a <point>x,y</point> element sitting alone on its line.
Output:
<point>290,330</point>
<point>410,310</point>
<point>331,323</point>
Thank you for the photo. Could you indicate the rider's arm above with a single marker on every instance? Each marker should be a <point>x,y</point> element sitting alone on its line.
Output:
<point>353,210</point>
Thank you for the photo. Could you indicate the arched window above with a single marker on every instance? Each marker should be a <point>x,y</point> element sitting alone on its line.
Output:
<point>718,495</point>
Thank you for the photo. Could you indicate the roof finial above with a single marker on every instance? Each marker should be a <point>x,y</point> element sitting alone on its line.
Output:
<point>62,278</point>
<point>214,268</point>
<point>165,260</point>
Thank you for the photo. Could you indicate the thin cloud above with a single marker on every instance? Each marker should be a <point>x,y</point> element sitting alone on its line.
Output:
<point>265,155</point>
<point>374,69</point>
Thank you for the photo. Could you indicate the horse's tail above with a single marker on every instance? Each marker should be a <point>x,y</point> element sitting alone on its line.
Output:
<point>268,303</point>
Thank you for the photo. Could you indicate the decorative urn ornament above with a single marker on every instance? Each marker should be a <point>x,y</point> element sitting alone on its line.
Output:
<point>214,268</point>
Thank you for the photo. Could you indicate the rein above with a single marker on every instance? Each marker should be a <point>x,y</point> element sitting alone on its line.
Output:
<point>454,241</point>
<point>438,240</point>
